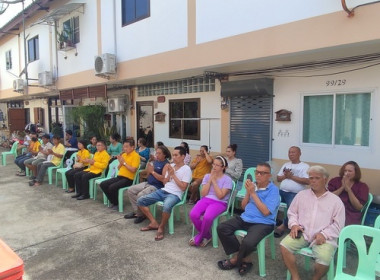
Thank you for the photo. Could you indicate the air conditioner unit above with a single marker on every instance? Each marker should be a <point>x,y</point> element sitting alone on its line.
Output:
<point>18,85</point>
<point>45,78</point>
<point>117,104</point>
<point>105,64</point>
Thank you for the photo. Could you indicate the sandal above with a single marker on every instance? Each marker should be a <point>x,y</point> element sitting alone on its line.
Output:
<point>244,268</point>
<point>205,241</point>
<point>226,265</point>
<point>159,236</point>
<point>192,242</point>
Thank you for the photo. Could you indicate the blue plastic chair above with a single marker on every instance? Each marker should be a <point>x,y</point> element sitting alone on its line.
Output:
<point>367,254</point>
<point>12,152</point>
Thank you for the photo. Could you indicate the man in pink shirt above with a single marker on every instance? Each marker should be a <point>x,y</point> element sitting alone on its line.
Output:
<point>316,217</point>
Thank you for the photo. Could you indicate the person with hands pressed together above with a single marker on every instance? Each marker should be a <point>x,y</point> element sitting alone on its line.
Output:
<point>352,192</point>
<point>129,162</point>
<point>293,178</point>
<point>177,178</point>
<point>201,165</point>
<point>260,205</point>
<point>154,182</point>
<point>33,162</point>
<point>95,169</point>
<point>316,217</point>
<point>215,194</point>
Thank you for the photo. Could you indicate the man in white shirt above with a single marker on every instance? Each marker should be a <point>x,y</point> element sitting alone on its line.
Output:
<point>178,176</point>
<point>294,178</point>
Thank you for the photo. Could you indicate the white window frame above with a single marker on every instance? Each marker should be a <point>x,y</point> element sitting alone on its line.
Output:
<point>8,60</point>
<point>371,91</point>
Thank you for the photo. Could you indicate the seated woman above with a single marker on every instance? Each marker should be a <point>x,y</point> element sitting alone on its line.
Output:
<point>235,165</point>
<point>351,190</point>
<point>187,157</point>
<point>115,148</point>
<point>152,156</point>
<point>129,162</point>
<point>96,166</point>
<point>143,151</point>
<point>215,194</point>
<point>201,165</point>
<point>78,166</point>
<point>92,146</point>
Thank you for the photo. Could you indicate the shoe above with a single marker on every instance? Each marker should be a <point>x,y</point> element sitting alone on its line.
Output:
<point>68,191</point>
<point>139,219</point>
<point>82,197</point>
<point>76,195</point>
<point>115,207</point>
<point>244,268</point>
<point>130,216</point>
<point>31,183</point>
<point>21,174</point>
<point>226,265</point>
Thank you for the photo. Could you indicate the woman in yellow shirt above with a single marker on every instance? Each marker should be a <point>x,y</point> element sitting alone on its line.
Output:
<point>129,162</point>
<point>95,169</point>
<point>79,165</point>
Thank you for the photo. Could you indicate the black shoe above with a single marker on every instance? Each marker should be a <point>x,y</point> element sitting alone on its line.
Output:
<point>31,183</point>
<point>32,177</point>
<point>139,219</point>
<point>83,197</point>
<point>130,216</point>
<point>76,195</point>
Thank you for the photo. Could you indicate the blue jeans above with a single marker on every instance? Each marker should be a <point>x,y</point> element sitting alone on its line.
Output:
<point>287,197</point>
<point>160,195</point>
<point>20,160</point>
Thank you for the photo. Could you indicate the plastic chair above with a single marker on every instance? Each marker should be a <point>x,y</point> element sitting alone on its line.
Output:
<point>112,173</point>
<point>241,193</point>
<point>13,152</point>
<point>62,171</point>
<point>367,254</point>
<point>175,210</point>
<point>51,168</point>
<point>308,254</point>
<point>228,214</point>
<point>261,250</point>
<point>377,225</point>
<point>364,214</point>
<point>120,199</point>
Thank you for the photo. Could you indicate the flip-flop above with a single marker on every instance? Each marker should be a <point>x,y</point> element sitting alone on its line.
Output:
<point>205,242</point>
<point>159,236</point>
<point>278,234</point>
<point>148,228</point>
<point>226,265</point>
<point>192,242</point>
<point>244,268</point>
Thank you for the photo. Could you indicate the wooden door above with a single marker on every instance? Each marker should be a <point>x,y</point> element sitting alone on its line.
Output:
<point>16,119</point>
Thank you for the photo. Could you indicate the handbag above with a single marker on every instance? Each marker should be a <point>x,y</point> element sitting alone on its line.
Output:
<point>77,165</point>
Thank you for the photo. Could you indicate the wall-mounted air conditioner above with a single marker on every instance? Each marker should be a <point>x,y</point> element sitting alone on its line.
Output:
<point>18,85</point>
<point>45,78</point>
<point>117,104</point>
<point>105,64</point>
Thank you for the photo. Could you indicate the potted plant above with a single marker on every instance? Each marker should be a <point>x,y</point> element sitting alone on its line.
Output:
<point>64,38</point>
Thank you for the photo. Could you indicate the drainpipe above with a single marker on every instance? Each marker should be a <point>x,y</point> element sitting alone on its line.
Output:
<point>25,56</point>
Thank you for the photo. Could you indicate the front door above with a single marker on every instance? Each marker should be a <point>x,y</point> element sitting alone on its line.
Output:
<point>16,119</point>
<point>145,124</point>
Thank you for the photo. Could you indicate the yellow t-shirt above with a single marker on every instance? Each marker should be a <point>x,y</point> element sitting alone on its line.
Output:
<point>35,147</point>
<point>83,154</point>
<point>132,159</point>
<point>59,149</point>
<point>202,168</point>
<point>101,162</point>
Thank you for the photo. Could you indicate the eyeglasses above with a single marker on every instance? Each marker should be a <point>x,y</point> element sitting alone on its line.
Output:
<point>217,165</point>
<point>261,173</point>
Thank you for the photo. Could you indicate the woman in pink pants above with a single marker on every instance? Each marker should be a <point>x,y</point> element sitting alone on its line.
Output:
<point>215,194</point>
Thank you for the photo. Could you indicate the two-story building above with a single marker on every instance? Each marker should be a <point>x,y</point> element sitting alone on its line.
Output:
<point>209,73</point>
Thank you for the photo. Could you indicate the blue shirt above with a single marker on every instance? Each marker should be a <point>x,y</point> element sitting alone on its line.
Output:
<point>158,167</point>
<point>271,198</point>
<point>73,142</point>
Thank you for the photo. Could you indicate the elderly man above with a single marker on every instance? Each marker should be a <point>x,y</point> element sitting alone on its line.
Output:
<point>177,178</point>
<point>316,217</point>
<point>260,206</point>
<point>293,177</point>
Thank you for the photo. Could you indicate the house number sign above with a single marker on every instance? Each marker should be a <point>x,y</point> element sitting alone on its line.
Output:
<point>332,83</point>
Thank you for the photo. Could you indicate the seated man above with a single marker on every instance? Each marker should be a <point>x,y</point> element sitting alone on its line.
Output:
<point>177,177</point>
<point>32,150</point>
<point>56,154</point>
<point>155,182</point>
<point>33,162</point>
<point>316,217</point>
<point>260,205</point>
<point>97,165</point>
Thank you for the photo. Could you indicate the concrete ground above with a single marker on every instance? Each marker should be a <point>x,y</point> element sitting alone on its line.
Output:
<point>61,238</point>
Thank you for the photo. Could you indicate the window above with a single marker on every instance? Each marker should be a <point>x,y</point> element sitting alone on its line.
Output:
<point>71,30</point>
<point>33,49</point>
<point>339,119</point>
<point>8,60</point>
<point>134,10</point>
<point>184,119</point>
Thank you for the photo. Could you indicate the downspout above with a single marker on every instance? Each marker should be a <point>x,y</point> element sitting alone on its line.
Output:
<point>25,55</point>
